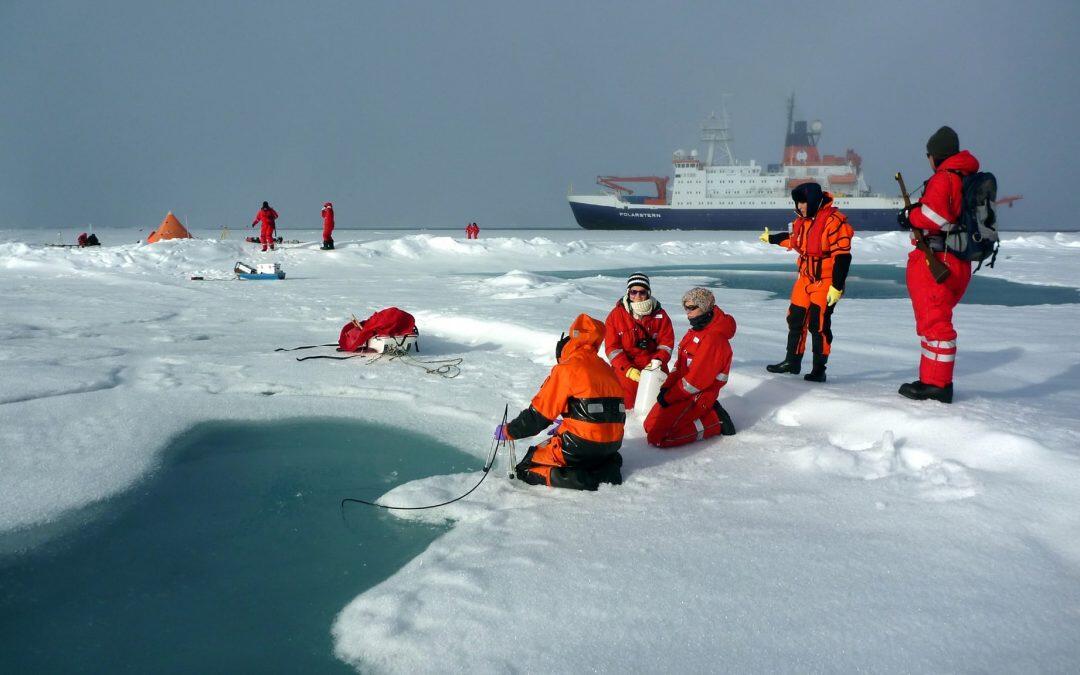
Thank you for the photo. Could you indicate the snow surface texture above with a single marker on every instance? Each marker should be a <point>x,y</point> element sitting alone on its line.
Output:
<point>843,528</point>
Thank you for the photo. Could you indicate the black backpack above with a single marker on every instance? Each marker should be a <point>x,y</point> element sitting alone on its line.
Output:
<point>974,236</point>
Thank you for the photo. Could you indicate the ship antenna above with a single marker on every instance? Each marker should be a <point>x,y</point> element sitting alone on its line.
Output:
<point>790,112</point>
<point>715,131</point>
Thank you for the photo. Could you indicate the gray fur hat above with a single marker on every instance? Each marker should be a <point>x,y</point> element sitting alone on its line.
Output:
<point>699,297</point>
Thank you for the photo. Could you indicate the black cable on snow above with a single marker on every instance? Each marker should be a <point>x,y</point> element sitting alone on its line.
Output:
<point>496,445</point>
<point>293,349</point>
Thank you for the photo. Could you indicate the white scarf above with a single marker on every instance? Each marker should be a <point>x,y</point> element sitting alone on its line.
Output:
<point>640,309</point>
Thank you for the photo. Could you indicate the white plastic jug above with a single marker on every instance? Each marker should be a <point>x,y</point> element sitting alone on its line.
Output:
<point>647,390</point>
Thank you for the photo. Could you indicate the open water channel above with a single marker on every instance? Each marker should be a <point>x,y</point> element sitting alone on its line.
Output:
<point>233,556</point>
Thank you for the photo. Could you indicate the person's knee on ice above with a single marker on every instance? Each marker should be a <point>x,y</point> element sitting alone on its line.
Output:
<point>684,409</point>
<point>584,390</point>
<point>637,334</point>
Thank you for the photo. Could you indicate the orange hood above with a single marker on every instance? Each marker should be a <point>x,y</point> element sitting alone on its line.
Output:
<point>586,334</point>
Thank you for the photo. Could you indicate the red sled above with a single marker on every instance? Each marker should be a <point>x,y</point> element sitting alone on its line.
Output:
<point>389,330</point>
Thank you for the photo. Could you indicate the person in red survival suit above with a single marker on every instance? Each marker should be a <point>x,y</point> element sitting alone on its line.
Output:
<point>584,391</point>
<point>822,237</point>
<point>327,226</point>
<point>686,409</point>
<point>268,217</point>
<point>933,303</point>
<point>637,335</point>
<point>475,231</point>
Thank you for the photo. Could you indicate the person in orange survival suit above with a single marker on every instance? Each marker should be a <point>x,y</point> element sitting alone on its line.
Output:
<point>822,237</point>
<point>686,409</point>
<point>583,450</point>
<point>637,335</point>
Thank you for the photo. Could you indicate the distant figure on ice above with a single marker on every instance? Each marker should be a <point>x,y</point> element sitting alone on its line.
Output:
<point>821,236</point>
<point>686,409</point>
<point>584,391</point>
<point>327,226</point>
<point>85,240</point>
<point>936,213</point>
<point>472,231</point>
<point>638,335</point>
<point>268,217</point>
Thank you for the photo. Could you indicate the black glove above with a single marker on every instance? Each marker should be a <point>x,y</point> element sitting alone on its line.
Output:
<point>903,217</point>
<point>660,399</point>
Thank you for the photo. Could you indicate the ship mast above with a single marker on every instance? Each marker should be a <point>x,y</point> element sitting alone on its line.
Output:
<point>790,114</point>
<point>715,131</point>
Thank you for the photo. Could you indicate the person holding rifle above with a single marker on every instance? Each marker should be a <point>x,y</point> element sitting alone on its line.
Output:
<point>936,279</point>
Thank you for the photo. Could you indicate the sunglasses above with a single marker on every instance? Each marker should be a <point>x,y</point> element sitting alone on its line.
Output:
<point>689,308</point>
<point>636,293</point>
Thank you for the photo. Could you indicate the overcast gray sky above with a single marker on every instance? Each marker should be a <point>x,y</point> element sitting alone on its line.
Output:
<point>438,113</point>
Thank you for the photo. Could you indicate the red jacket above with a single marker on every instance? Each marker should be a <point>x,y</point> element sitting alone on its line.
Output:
<point>942,201</point>
<point>704,361</point>
<point>266,217</point>
<point>327,216</point>
<point>623,333</point>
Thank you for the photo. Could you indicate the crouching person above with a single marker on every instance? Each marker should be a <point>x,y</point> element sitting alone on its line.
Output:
<point>583,450</point>
<point>686,409</point>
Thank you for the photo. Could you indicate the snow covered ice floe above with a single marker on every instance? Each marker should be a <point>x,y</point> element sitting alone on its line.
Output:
<point>843,528</point>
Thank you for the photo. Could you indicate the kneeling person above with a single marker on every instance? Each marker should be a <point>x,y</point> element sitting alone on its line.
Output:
<point>686,409</point>
<point>638,335</point>
<point>583,450</point>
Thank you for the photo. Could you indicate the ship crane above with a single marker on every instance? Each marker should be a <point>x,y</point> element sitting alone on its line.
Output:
<point>615,183</point>
<point>1008,201</point>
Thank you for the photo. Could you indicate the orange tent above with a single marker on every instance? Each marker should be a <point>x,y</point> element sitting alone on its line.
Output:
<point>170,228</point>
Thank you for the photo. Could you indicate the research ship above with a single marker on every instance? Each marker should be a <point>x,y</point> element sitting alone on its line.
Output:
<point>729,195</point>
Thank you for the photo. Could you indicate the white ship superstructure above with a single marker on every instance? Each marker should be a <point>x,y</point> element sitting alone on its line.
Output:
<point>734,195</point>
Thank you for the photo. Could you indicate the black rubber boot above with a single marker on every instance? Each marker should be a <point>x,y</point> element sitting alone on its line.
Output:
<point>792,364</point>
<point>920,391</point>
<point>727,427</point>
<point>817,374</point>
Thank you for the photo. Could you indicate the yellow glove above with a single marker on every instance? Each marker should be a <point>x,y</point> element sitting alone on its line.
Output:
<point>764,236</point>
<point>834,296</point>
<point>634,374</point>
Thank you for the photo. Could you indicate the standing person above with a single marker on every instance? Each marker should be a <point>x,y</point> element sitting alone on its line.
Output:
<point>637,335</point>
<point>686,409</point>
<point>327,226</point>
<point>936,213</point>
<point>268,217</point>
<point>475,231</point>
<point>583,390</point>
<point>822,237</point>
<point>468,231</point>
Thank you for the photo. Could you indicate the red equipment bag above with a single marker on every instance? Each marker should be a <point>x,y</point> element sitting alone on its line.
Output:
<point>390,321</point>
